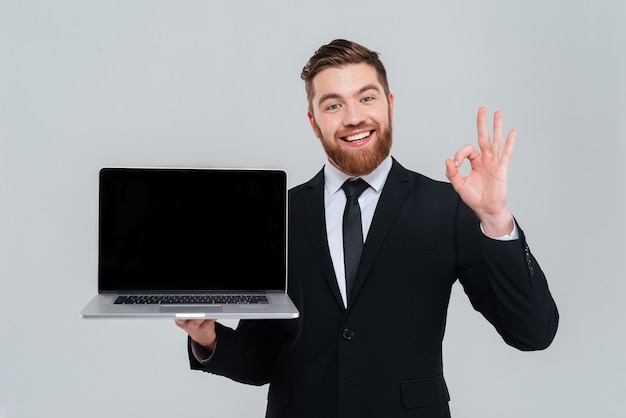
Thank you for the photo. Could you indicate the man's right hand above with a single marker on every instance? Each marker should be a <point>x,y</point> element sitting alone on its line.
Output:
<point>201,331</point>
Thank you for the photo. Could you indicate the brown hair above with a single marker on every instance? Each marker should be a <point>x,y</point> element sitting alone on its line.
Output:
<point>337,54</point>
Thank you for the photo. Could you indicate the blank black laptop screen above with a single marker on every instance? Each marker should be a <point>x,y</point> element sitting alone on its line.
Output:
<point>192,230</point>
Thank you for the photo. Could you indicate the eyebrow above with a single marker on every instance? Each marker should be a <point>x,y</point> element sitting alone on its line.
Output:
<point>362,90</point>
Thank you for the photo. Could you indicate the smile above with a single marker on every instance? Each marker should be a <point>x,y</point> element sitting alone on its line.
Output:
<point>357,137</point>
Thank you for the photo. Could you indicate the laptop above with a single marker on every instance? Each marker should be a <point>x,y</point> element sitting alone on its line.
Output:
<point>192,244</point>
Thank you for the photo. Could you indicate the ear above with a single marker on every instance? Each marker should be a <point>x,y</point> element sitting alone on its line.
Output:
<point>313,124</point>
<point>390,101</point>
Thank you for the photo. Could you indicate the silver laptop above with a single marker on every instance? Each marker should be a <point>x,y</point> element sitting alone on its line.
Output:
<point>192,243</point>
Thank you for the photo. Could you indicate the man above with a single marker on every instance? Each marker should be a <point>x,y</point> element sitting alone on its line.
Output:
<point>372,347</point>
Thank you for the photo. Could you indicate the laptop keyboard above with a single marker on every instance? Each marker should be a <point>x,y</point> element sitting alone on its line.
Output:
<point>190,299</point>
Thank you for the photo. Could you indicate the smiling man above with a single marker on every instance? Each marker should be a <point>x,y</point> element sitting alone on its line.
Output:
<point>374,250</point>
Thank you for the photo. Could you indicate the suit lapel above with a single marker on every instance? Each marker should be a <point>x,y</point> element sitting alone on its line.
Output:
<point>394,193</point>
<point>314,207</point>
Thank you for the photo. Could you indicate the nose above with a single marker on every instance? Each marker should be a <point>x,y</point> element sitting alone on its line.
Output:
<point>353,116</point>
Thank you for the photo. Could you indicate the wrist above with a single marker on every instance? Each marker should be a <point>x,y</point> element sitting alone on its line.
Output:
<point>497,225</point>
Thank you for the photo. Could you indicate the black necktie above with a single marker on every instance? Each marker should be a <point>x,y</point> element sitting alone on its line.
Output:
<point>352,229</point>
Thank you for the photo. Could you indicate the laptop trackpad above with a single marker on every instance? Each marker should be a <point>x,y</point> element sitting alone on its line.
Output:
<point>191,309</point>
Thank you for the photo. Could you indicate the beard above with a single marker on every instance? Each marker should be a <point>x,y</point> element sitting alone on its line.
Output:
<point>359,162</point>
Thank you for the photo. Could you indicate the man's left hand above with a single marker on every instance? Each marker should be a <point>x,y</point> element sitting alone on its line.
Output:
<point>485,188</point>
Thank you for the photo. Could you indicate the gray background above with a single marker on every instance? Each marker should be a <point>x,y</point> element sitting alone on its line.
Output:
<point>84,84</point>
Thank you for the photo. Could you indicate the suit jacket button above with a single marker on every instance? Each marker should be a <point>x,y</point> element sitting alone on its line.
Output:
<point>348,334</point>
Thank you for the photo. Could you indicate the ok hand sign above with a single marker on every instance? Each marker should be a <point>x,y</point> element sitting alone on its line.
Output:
<point>485,188</point>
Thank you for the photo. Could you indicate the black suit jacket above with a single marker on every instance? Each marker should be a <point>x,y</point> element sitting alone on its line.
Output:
<point>382,356</point>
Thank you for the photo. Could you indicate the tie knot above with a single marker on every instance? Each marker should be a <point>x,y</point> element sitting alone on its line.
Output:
<point>354,188</point>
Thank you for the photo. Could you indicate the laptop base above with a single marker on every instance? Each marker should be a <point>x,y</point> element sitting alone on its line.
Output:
<point>102,306</point>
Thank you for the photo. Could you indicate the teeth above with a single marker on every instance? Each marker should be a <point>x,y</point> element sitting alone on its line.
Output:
<point>357,137</point>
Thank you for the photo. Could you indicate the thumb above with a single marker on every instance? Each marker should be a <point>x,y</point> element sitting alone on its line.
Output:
<point>453,175</point>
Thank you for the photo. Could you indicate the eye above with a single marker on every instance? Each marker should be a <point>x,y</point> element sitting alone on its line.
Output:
<point>367,99</point>
<point>333,106</point>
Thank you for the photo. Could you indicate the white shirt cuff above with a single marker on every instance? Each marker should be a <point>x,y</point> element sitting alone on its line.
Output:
<point>200,353</point>
<point>512,236</point>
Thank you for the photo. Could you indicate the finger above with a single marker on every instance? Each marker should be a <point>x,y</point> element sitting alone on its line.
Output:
<point>452,173</point>
<point>454,176</point>
<point>189,324</point>
<point>497,133</point>
<point>468,151</point>
<point>184,324</point>
<point>508,146</point>
<point>484,142</point>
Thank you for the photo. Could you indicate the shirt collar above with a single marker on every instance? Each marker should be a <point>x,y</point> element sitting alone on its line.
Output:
<point>334,178</point>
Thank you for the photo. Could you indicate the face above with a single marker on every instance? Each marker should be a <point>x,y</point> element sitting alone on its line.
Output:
<point>351,115</point>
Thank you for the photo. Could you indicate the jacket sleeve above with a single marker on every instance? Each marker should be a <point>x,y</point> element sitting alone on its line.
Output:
<point>245,355</point>
<point>506,285</point>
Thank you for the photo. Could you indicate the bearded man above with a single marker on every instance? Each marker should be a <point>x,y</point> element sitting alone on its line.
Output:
<point>373,300</point>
